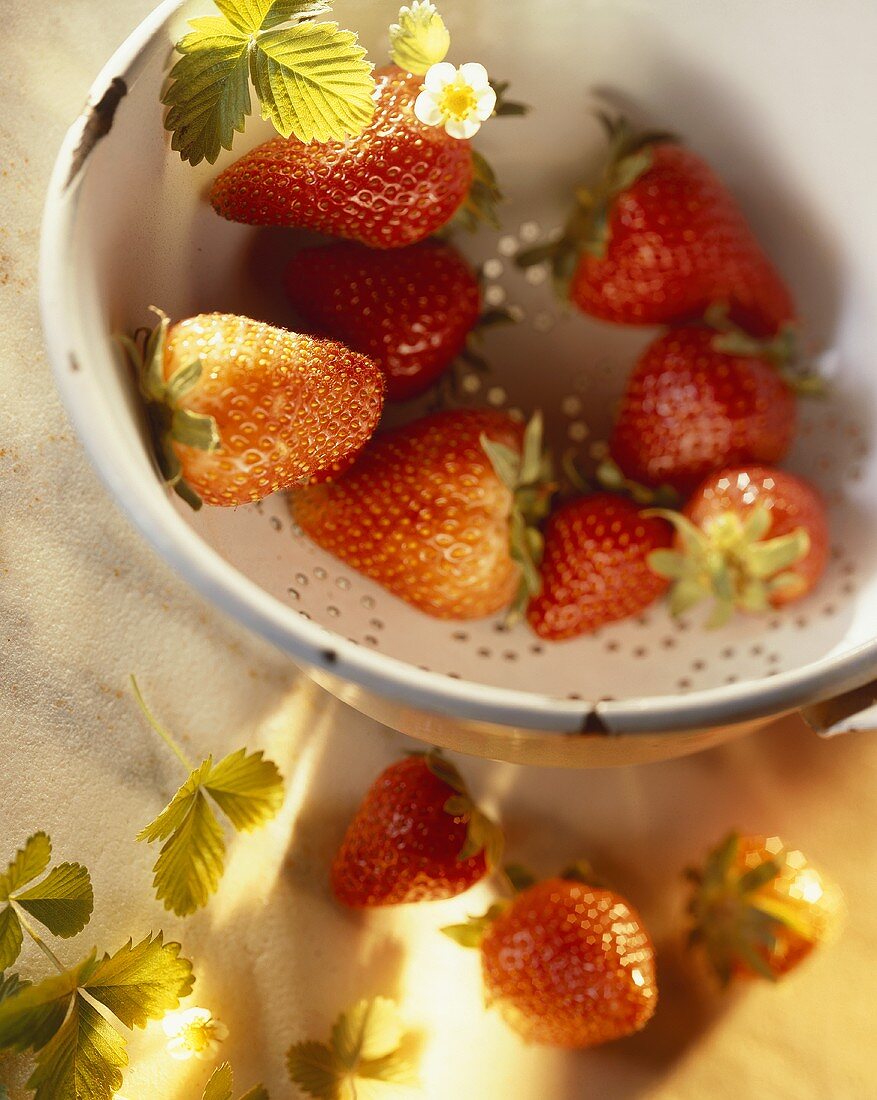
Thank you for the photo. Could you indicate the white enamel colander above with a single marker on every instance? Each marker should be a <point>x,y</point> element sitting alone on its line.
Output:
<point>127,225</point>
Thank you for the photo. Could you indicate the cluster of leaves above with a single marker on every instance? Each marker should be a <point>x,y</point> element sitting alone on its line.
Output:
<point>312,79</point>
<point>73,1021</point>
<point>368,1044</point>
<point>62,902</point>
<point>249,791</point>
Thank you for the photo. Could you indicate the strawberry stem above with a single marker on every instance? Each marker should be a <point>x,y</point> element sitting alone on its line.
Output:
<point>164,734</point>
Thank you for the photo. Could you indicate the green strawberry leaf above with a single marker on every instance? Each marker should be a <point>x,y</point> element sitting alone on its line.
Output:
<point>143,982</point>
<point>191,862</point>
<point>11,937</point>
<point>28,864</point>
<point>221,1085</point>
<point>312,79</point>
<point>62,902</point>
<point>79,1049</point>
<point>209,91</point>
<point>245,786</point>
<point>248,788</point>
<point>470,933</point>
<point>83,1059</point>
<point>367,1045</point>
<point>314,82</point>
<point>10,984</point>
<point>32,1015</point>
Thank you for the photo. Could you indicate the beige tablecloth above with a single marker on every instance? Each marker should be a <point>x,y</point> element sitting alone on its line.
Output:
<point>83,602</point>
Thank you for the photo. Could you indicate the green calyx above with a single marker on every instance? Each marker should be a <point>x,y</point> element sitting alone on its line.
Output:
<point>782,351</point>
<point>505,107</point>
<point>169,421</point>
<point>483,834</point>
<point>731,560</point>
<point>480,206</point>
<point>611,477</point>
<point>733,919</point>
<point>587,228</point>
<point>530,478</point>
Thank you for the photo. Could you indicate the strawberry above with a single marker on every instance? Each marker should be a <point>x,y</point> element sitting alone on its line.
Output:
<point>691,407</point>
<point>660,240</point>
<point>410,310</point>
<point>394,184</point>
<point>759,909</point>
<point>417,836</point>
<point>753,537</point>
<point>566,963</point>
<point>437,512</point>
<point>241,409</point>
<point>594,566</point>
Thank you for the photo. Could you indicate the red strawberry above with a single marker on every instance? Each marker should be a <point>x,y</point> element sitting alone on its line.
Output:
<point>394,184</point>
<point>660,240</point>
<point>759,908</point>
<point>567,964</point>
<point>416,837</point>
<point>594,566</point>
<point>410,310</point>
<point>241,409</point>
<point>425,513</point>
<point>753,537</point>
<point>690,408</point>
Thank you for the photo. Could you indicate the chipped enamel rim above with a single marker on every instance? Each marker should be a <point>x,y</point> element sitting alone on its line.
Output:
<point>306,641</point>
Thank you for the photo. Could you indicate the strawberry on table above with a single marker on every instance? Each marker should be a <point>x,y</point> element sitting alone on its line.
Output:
<point>691,407</point>
<point>752,537</point>
<point>567,964</point>
<point>429,514</point>
<point>241,409</point>
<point>410,310</point>
<point>760,908</point>
<point>417,836</point>
<point>594,566</point>
<point>397,182</point>
<point>660,240</point>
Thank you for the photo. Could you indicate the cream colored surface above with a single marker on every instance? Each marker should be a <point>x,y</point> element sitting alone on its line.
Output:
<point>83,602</point>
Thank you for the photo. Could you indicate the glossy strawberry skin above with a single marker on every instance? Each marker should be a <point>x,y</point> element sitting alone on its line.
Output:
<point>792,503</point>
<point>594,568</point>
<point>689,409</point>
<point>286,405</point>
<point>403,846</point>
<point>678,243</point>
<point>394,184</point>
<point>423,513</point>
<point>410,309</point>
<point>569,965</point>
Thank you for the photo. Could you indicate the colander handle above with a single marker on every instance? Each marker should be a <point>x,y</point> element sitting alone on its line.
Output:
<point>848,713</point>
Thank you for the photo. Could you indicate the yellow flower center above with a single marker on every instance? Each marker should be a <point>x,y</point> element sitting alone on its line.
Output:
<point>458,101</point>
<point>197,1036</point>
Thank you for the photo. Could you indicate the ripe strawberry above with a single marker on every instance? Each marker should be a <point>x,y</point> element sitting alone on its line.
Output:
<point>567,964</point>
<point>759,909</point>
<point>416,837</point>
<point>241,409</point>
<point>425,512</point>
<point>394,184</point>
<point>660,240</point>
<point>753,537</point>
<point>594,566</point>
<point>410,310</point>
<point>690,408</point>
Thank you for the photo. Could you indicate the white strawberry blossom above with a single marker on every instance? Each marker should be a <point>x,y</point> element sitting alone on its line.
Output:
<point>459,99</point>
<point>193,1033</point>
